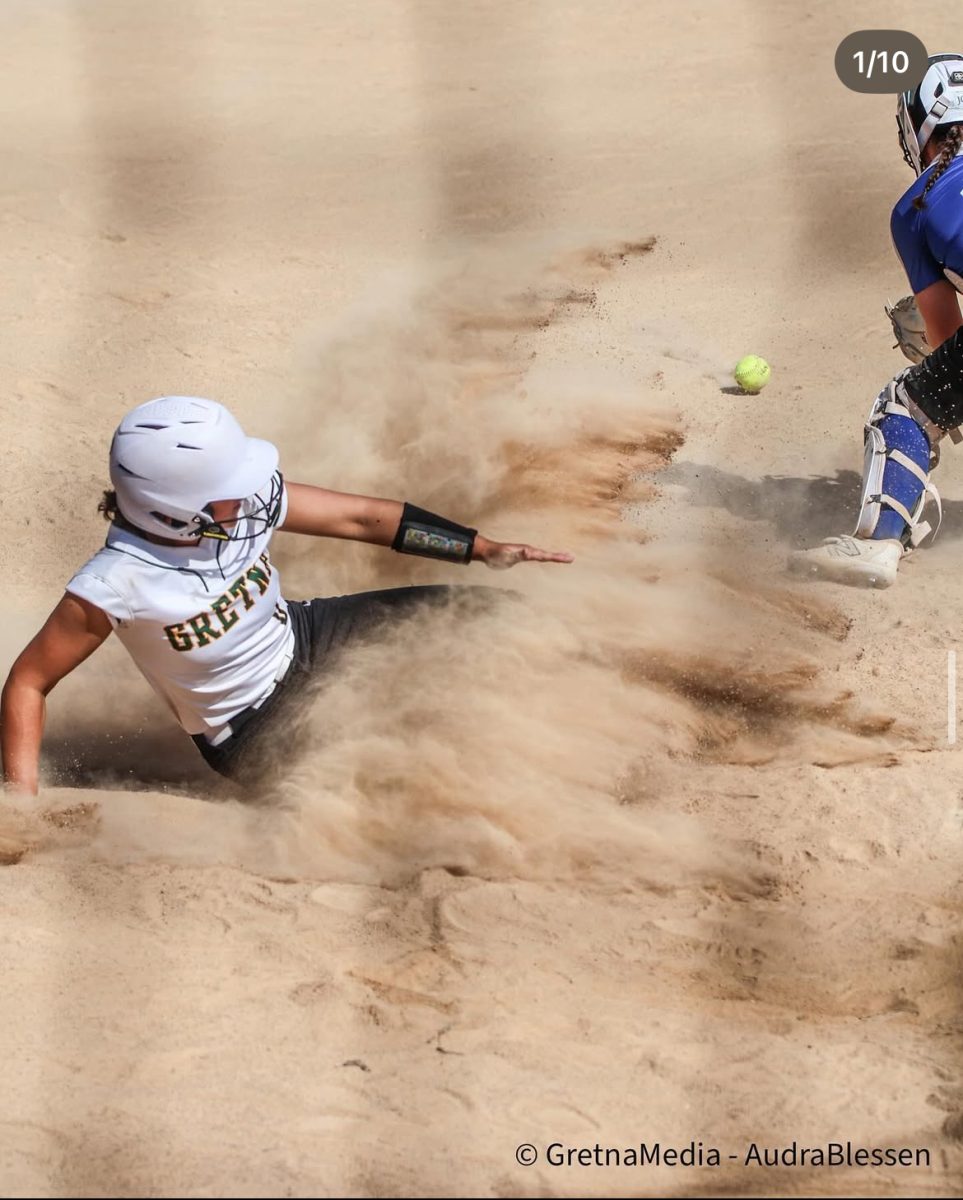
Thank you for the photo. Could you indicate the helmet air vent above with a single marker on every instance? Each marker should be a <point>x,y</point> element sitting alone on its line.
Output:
<point>127,471</point>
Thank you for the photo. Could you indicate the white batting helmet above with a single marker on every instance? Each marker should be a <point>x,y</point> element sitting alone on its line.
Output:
<point>172,457</point>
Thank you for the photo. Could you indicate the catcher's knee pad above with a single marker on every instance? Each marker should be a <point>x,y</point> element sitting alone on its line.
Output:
<point>896,474</point>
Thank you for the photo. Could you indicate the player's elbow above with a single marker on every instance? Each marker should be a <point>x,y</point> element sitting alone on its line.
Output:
<point>27,678</point>
<point>22,686</point>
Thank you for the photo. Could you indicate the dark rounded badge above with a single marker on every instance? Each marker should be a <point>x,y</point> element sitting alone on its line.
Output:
<point>881,60</point>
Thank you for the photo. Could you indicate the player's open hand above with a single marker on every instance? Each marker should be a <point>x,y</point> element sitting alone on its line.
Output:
<point>502,555</point>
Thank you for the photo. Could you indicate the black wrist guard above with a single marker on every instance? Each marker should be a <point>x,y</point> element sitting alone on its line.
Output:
<point>432,536</point>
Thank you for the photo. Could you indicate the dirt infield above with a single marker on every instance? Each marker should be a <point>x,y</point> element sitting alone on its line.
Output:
<point>664,851</point>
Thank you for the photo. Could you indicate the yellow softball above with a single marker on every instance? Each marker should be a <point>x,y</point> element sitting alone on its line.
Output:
<point>752,373</point>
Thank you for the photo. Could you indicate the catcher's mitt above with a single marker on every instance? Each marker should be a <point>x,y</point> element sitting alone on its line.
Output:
<point>910,328</point>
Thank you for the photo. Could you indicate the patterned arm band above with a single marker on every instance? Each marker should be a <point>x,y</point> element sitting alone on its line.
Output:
<point>431,536</point>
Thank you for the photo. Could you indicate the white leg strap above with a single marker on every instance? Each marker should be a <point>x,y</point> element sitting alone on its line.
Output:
<point>904,460</point>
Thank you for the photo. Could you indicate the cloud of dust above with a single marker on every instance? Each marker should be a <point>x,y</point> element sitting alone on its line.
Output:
<point>558,732</point>
<point>525,739</point>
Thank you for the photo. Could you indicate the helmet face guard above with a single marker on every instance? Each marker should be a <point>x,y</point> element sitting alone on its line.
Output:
<point>263,509</point>
<point>936,101</point>
<point>173,457</point>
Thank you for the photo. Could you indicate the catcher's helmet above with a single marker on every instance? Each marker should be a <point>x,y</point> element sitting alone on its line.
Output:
<point>172,457</point>
<point>937,101</point>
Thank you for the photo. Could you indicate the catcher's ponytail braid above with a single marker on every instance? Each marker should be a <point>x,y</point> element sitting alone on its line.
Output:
<point>949,148</point>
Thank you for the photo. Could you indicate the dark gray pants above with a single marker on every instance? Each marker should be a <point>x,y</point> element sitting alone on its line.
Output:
<point>322,629</point>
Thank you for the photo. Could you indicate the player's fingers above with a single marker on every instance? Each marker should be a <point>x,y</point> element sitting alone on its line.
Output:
<point>534,554</point>
<point>508,554</point>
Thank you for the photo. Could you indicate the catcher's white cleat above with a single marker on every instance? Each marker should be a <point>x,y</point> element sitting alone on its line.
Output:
<point>860,562</point>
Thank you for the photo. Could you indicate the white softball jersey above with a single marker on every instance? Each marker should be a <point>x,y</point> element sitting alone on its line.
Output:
<point>209,633</point>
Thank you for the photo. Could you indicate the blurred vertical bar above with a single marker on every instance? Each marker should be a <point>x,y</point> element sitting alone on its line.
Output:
<point>148,116</point>
<point>487,118</point>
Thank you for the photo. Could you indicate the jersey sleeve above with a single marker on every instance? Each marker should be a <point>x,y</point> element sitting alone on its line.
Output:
<point>98,592</point>
<point>909,240</point>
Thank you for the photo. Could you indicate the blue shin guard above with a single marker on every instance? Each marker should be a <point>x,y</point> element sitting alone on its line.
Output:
<point>896,469</point>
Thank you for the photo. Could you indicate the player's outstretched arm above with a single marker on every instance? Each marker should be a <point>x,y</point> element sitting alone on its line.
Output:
<point>403,527</point>
<point>72,632</point>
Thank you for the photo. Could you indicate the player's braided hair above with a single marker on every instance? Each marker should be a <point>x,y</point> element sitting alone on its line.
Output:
<point>949,144</point>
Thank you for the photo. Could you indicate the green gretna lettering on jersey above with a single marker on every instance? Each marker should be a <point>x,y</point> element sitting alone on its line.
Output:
<point>238,589</point>
<point>256,575</point>
<point>204,631</point>
<point>206,627</point>
<point>221,609</point>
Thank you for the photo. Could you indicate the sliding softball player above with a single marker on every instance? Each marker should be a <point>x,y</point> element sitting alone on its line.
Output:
<point>186,582</point>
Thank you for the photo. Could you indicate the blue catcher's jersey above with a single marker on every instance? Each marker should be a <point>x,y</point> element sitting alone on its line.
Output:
<point>930,242</point>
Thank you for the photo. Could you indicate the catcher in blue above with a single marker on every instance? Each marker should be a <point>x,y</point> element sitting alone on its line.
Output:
<point>924,403</point>
<point>186,582</point>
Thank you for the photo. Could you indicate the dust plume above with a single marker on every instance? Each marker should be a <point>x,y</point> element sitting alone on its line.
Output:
<point>540,735</point>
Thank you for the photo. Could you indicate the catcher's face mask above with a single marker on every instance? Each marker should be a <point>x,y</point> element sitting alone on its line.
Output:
<point>937,101</point>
